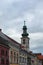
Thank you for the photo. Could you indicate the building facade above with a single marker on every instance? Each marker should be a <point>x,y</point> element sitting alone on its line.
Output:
<point>22,57</point>
<point>14,55</point>
<point>13,52</point>
<point>4,52</point>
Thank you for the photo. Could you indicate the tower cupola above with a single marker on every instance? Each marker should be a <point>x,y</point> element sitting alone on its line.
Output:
<point>24,34</point>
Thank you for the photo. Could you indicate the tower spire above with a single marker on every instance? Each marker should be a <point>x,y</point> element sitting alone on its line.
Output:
<point>24,23</point>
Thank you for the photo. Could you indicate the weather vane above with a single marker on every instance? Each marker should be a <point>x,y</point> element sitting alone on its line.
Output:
<point>24,23</point>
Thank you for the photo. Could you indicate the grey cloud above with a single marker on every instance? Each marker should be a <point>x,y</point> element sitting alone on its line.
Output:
<point>15,11</point>
<point>38,49</point>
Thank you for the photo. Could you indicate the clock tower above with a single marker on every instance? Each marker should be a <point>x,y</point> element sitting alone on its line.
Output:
<point>25,38</point>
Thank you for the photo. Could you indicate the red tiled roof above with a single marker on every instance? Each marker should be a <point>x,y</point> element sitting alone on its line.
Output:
<point>40,57</point>
<point>37,54</point>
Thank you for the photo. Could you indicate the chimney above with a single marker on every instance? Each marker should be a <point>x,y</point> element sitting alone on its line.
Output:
<point>0,30</point>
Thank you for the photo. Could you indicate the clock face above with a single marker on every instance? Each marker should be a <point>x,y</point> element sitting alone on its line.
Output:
<point>23,41</point>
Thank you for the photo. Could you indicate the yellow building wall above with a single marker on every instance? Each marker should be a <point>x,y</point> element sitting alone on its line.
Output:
<point>14,64</point>
<point>16,51</point>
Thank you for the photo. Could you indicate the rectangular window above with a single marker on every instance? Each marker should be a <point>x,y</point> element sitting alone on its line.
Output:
<point>2,61</point>
<point>23,59</point>
<point>20,59</point>
<point>2,52</point>
<point>17,57</point>
<point>6,53</point>
<point>11,56</point>
<point>7,62</point>
<point>11,52</point>
<point>23,41</point>
<point>14,56</point>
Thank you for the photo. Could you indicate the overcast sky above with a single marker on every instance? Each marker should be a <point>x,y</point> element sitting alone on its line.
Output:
<point>12,16</point>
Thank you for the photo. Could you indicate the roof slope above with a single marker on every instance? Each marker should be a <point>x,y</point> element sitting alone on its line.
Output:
<point>4,36</point>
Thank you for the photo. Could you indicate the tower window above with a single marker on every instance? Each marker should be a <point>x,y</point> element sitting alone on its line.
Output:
<point>23,41</point>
